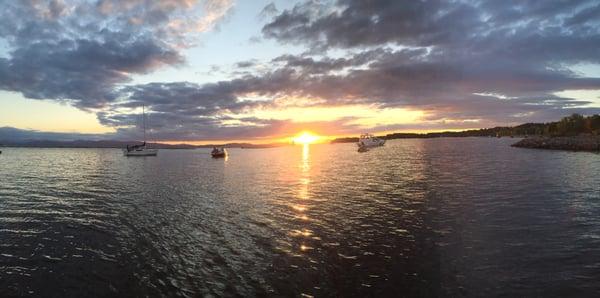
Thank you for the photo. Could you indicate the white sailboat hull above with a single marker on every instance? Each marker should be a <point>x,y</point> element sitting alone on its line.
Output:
<point>141,152</point>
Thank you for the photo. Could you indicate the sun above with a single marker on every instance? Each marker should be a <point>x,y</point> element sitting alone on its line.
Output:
<point>305,137</point>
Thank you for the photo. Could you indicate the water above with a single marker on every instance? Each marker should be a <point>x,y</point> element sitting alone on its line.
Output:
<point>437,217</point>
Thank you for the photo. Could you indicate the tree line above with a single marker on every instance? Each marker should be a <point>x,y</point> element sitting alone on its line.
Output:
<point>573,125</point>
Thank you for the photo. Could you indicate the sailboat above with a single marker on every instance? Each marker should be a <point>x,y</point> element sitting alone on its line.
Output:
<point>140,150</point>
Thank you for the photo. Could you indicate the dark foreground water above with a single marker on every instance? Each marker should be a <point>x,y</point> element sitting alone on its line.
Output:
<point>439,217</point>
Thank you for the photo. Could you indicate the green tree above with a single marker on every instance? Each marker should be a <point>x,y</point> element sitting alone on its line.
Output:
<point>594,124</point>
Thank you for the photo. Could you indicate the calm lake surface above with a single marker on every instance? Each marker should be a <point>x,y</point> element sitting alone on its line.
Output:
<point>436,217</point>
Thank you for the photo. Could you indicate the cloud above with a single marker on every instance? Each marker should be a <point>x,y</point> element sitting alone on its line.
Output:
<point>453,93</point>
<point>246,64</point>
<point>80,51</point>
<point>454,25</point>
<point>350,23</point>
<point>268,11</point>
<point>82,71</point>
<point>441,56</point>
<point>189,110</point>
<point>215,10</point>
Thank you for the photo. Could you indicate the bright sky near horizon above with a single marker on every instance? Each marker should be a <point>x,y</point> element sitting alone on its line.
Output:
<point>265,70</point>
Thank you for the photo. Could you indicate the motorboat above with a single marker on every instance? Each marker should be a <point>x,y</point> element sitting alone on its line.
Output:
<point>369,141</point>
<point>218,152</point>
<point>142,149</point>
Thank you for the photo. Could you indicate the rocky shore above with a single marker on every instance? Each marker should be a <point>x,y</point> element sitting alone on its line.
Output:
<point>578,143</point>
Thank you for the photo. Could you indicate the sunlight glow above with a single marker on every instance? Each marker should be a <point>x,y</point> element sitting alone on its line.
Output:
<point>306,138</point>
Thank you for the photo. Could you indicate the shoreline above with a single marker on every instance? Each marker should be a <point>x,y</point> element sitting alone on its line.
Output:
<point>574,143</point>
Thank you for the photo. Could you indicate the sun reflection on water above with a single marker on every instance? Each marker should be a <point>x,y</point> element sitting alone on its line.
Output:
<point>299,208</point>
<point>304,173</point>
<point>303,196</point>
<point>305,158</point>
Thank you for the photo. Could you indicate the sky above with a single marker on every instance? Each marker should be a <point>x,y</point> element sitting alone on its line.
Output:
<point>259,71</point>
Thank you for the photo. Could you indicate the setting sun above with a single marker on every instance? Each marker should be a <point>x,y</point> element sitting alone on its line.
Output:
<point>305,138</point>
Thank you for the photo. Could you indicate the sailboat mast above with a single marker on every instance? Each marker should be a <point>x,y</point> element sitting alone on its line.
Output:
<point>144,120</point>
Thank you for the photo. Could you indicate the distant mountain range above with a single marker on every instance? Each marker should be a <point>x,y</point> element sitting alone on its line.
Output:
<point>83,144</point>
<point>121,144</point>
<point>15,137</point>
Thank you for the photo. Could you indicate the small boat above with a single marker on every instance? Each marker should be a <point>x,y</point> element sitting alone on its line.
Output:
<point>218,152</point>
<point>140,150</point>
<point>369,141</point>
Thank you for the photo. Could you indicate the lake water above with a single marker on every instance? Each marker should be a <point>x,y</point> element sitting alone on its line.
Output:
<point>435,217</point>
